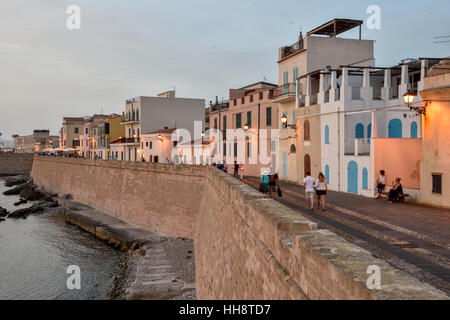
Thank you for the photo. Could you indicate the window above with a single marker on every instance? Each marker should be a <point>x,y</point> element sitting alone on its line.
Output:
<point>295,76</point>
<point>327,174</point>
<point>268,116</point>
<point>293,149</point>
<point>369,132</point>
<point>260,96</point>
<point>175,143</point>
<point>294,117</point>
<point>251,98</point>
<point>146,143</point>
<point>151,144</point>
<point>156,159</point>
<point>215,123</point>
<point>413,129</point>
<point>224,149</point>
<point>359,131</point>
<point>395,128</point>
<point>235,149</point>
<point>242,100</point>
<point>224,122</point>
<point>365,175</point>
<point>306,128</point>
<point>238,120</point>
<point>327,134</point>
<point>234,102</point>
<point>249,119</point>
<point>85,131</point>
<point>436,182</point>
<point>249,149</point>
<point>285,77</point>
<point>76,130</point>
<point>137,115</point>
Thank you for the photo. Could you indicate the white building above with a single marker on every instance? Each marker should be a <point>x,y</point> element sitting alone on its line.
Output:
<point>365,125</point>
<point>149,114</point>
<point>157,146</point>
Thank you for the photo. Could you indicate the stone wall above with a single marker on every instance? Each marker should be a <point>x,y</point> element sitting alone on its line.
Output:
<point>15,163</point>
<point>246,245</point>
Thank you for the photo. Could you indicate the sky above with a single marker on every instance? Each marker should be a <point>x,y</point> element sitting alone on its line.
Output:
<point>129,48</point>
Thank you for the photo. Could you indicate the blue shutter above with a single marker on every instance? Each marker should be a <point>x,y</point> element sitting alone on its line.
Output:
<point>414,129</point>
<point>327,174</point>
<point>327,134</point>
<point>395,128</point>
<point>359,131</point>
<point>365,175</point>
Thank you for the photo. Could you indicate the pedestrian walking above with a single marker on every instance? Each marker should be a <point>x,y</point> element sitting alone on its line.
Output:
<point>321,191</point>
<point>309,190</point>
<point>264,183</point>
<point>236,170</point>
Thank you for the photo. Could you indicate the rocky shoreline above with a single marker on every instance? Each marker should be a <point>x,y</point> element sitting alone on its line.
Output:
<point>149,267</point>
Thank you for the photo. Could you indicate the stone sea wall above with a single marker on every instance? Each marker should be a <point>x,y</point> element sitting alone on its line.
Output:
<point>15,163</point>
<point>246,245</point>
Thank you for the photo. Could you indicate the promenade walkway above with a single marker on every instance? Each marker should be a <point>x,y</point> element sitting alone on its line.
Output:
<point>413,238</point>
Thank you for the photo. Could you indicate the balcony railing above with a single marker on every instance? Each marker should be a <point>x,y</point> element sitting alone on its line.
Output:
<point>293,48</point>
<point>285,89</point>
<point>131,119</point>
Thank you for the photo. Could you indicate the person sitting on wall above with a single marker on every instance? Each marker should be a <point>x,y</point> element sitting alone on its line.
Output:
<point>381,184</point>
<point>396,191</point>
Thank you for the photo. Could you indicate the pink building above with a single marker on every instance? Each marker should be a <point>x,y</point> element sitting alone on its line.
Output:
<point>249,108</point>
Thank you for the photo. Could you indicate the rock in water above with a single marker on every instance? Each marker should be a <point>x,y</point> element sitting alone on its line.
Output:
<point>3,212</point>
<point>18,189</point>
<point>35,208</point>
<point>15,181</point>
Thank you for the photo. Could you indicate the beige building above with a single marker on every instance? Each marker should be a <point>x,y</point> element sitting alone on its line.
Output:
<point>157,146</point>
<point>31,143</point>
<point>148,114</point>
<point>71,132</point>
<point>435,165</point>
<point>320,49</point>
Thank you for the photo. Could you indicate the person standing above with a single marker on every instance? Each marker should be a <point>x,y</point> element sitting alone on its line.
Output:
<point>236,170</point>
<point>241,171</point>
<point>309,190</point>
<point>321,191</point>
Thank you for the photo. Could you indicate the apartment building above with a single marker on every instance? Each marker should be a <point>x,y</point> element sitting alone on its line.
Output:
<point>113,130</point>
<point>72,129</point>
<point>252,110</point>
<point>30,143</point>
<point>149,114</point>
<point>297,72</point>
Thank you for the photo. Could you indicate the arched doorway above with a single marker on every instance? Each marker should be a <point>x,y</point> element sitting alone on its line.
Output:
<point>352,177</point>
<point>307,163</point>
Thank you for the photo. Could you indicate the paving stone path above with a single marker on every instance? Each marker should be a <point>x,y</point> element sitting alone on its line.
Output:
<point>413,238</point>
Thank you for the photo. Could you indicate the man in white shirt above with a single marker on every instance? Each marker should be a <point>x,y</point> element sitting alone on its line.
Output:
<point>309,189</point>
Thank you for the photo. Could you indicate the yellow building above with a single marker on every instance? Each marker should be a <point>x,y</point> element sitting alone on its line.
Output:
<point>435,165</point>
<point>114,129</point>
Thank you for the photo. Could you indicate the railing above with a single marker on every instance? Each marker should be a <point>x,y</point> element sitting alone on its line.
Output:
<point>131,119</point>
<point>285,89</point>
<point>293,48</point>
<point>357,147</point>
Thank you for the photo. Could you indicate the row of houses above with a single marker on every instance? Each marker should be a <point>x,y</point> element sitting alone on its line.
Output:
<point>36,142</point>
<point>333,110</point>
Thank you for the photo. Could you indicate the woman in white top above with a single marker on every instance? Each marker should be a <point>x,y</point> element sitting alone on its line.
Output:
<point>321,191</point>
<point>381,184</point>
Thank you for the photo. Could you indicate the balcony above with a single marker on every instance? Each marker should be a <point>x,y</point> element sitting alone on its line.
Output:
<point>129,120</point>
<point>290,50</point>
<point>130,141</point>
<point>357,147</point>
<point>284,93</point>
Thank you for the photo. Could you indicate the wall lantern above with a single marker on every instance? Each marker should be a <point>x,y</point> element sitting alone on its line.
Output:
<point>408,98</point>
<point>203,133</point>
<point>284,123</point>
<point>246,126</point>
<point>160,137</point>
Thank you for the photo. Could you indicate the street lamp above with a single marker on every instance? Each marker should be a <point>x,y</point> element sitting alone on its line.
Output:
<point>408,98</point>
<point>284,123</point>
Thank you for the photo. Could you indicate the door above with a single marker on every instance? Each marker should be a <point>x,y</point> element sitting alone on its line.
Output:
<point>285,166</point>
<point>352,176</point>
<point>307,163</point>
